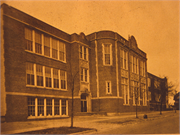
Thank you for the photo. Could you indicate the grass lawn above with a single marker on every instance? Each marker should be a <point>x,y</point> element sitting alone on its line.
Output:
<point>59,130</point>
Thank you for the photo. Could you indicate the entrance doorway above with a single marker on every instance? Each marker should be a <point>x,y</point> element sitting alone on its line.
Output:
<point>83,102</point>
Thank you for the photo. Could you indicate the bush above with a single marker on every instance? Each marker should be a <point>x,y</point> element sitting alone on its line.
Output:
<point>145,116</point>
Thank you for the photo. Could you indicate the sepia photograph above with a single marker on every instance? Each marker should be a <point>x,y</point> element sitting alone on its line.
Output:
<point>90,67</point>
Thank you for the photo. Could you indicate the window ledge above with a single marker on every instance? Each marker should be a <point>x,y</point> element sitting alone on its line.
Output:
<point>46,88</point>
<point>126,104</point>
<point>42,117</point>
<point>84,59</point>
<point>84,82</point>
<point>135,105</point>
<point>45,56</point>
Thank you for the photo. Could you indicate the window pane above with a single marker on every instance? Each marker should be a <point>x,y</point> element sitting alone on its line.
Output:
<point>61,56</point>
<point>61,47</point>
<point>54,53</point>
<point>30,73</point>
<point>28,34</point>
<point>28,37</point>
<point>37,37</point>
<point>46,41</point>
<point>39,72</point>
<point>63,107</point>
<point>40,107</point>
<point>81,74</point>
<point>55,44</point>
<point>107,58</point>
<point>85,53</point>
<point>81,52</point>
<point>54,48</point>
<point>86,75</point>
<point>48,107</point>
<point>38,46</point>
<point>63,79</point>
<point>107,48</point>
<point>46,45</point>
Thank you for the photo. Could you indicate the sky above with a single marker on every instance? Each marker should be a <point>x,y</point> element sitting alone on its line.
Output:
<point>154,24</point>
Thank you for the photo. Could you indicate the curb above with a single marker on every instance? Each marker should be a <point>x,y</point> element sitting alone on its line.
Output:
<point>87,131</point>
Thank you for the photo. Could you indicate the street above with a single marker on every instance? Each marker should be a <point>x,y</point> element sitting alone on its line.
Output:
<point>162,125</point>
<point>126,123</point>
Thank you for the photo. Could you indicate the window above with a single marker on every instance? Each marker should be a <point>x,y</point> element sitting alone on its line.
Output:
<point>41,107</point>
<point>143,93</point>
<point>135,92</point>
<point>56,107</point>
<point>48,107</point>
<point>31,106</point>
<point>29,74</point>
<point>29,39</point>
<point>48,76</point>
<point>62,51</point>
<point>137,66</point>
<point>46,45</point>
<point>149,82</point>
<point>142,68</point>
<point>107,52</point>
<point>132,91</point>
<point>54,48</point>
<point>39,73</point>
<point>63,107</point>
<point>134,64</point>
<point>124,87</point>
<point>124,59</point>
<point>56,78</point>
<point>108,87</point>
<point>38,43</point>
<point>51,47</point>
<point>83,52</point>
<point>63,79</point>
<point>84,74</point>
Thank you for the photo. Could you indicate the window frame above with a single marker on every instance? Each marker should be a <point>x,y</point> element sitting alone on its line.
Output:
<point>40,75</point>
<point>46,46</point>
<point>124,59</point>
<point>63,80</point>
<point>28,40</point>
<point>64,51</point>
<point>48,79</point>
<point>108,89</point>
<point>83,76</point>
<point>82,54</point>
<point>31,74</point>
<point>103,50</point>
<point>42,108</point>
<point>40,47</point>
<point>125,86</point>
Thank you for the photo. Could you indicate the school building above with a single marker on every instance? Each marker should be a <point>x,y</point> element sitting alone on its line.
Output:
<point>41,65</point>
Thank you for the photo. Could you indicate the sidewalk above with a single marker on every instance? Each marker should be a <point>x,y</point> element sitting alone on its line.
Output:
<point>95,121</point>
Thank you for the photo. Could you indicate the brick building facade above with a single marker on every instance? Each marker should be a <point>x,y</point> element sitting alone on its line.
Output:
<point>158,92</point>
<point>40,65</point>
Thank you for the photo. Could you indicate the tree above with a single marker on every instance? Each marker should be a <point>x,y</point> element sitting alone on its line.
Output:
<point>167,88</point>
<point>73,77</point>
<point>137,94</point>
